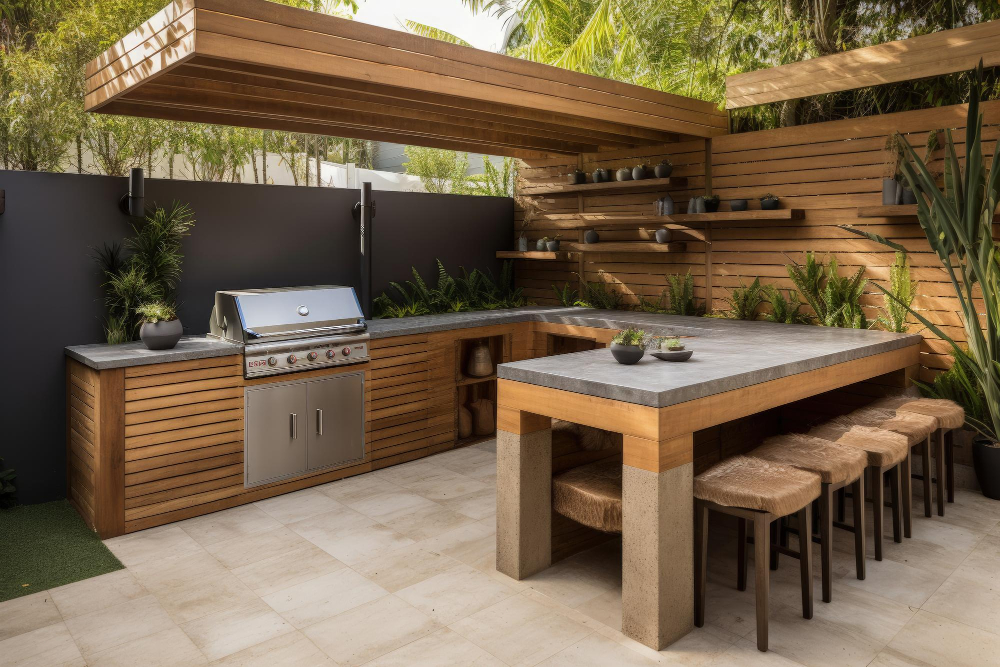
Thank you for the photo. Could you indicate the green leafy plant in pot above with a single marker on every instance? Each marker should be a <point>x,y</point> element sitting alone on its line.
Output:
<point>160,328</point>
<point>628,346</point>
<point>958,222</point>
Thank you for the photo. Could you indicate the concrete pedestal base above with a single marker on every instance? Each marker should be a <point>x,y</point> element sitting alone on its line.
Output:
<point>657,554</point>
<point>524,502</point>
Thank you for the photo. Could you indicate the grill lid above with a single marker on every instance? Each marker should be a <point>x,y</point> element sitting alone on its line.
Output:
<point>250,316</point>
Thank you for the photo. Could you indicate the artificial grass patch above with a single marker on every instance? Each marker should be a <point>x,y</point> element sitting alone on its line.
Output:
<point>48,545</point>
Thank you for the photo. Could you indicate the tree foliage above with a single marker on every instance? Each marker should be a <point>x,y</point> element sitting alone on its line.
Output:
<point>441,171</point>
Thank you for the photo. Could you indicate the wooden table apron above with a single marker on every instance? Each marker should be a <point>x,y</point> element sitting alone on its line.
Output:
<point>657,480</point>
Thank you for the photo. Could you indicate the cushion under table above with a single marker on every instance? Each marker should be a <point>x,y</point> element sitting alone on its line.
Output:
<point>591,494</point>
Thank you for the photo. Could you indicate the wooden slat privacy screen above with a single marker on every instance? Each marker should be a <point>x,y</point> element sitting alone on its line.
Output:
<point>828,170</point>
<point>254,63</point>
<point>943,52</point>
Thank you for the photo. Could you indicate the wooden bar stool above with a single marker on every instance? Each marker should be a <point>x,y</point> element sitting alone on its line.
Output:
<point>886,452</point>
<point>757,491</point>
<point>837,466</point>
<point>949,416</point>
<point>591,494</point>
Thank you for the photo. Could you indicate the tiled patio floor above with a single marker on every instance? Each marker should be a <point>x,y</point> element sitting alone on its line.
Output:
<point>397,568</point>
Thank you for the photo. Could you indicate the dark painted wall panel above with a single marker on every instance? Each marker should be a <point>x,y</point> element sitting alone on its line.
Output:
<point>246,236</point>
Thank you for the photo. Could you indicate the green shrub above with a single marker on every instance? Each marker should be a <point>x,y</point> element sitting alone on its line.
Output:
<point>470,291</point>
<point>744,301</point>
<point>630,336</point>
<point>784,310</point>
<point>567,296</point>
<point>156,311</point>
<point>836,300</point>
<point>893,316</point>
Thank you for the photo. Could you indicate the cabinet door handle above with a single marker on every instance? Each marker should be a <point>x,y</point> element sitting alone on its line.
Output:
<point>294,425</point>
<point>319,422</point>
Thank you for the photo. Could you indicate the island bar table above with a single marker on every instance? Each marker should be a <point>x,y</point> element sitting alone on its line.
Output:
<point>658,406</point>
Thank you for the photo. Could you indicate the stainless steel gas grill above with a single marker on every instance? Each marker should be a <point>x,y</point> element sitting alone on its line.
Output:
<point>294,426</point>
<point>292,329</point>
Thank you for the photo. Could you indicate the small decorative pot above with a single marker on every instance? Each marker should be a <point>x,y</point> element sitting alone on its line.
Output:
<point>769,204</point>
<point>591,236</point>
<point>738,205</point>
<point>480,362</point>
<point>665,205</point>
<point>663,236</point>
<point>624,174</point>
<point>161,335</point>
<point>696,205</point>
<point>552,246</point>
<point>986,461</point>
<point>711,205</point>
<point>576,178</point>
<point>627,354</point>
<point>909,196</point>
<point>892,192</point>
<point>540,245</point>
<point>663,170</point>
<point>639,172</point>
<point>600,175</point>
<point>522,244</point>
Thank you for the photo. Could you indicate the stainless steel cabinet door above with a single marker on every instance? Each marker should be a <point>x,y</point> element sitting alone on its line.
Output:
<point>336,420</point>
<point>276,432</point>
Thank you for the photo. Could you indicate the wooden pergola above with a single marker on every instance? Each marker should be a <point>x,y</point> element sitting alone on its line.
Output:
<point>253,63</point>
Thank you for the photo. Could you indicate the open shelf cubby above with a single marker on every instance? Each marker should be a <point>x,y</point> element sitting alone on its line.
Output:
<point>474,393</point>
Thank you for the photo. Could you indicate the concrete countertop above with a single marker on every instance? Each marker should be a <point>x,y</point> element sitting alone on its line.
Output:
<point>728,355</point>
<point>102,357</point>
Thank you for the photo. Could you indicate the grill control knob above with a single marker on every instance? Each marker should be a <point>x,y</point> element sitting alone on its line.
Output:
<point>313,355</point>
<point>346,351</point>
<point>272,361</point>
<point>330,354</point>
<point>292,359</point>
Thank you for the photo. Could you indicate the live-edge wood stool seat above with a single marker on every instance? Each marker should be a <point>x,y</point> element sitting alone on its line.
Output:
<point>591,494</point>
<point>949,416</point>
<point>758,491</point>
<point>837,466</point>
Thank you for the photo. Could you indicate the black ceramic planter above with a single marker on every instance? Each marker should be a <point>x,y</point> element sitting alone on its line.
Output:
<point>627,354</point>
<point>591,236</point>
<point>738,205</point>
<point>769,204</point>
<point>986,461</point>
<point>576,178</point>
<point>161,335</point>
<point>909,197</point>
<point>711,205</point>
<point>663,170</point>
<point>552,246</point>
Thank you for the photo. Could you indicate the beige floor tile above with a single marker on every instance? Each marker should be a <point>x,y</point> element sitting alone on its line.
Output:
<point>27,613</point>
<point>478,505</point>
<point>226,632</point>
<point>474,544</point>
<point>292,507</point>
<point>176,571</point>
<point>597,651</point>
<point>963,599</point>
<point>123,623</point>
<point>521,631</point>
<point>744,653</point>
<point>155,543</point>
<point>445,484</point>
<point>305,562</point>
<point>427,522</point>
<point>106,590</point>
<point>369,631</point>
<point>247,549</point>
<point>575,580</point>
<point>443,648</point>
<point>404,567</point>
<point>487,446</point>
<point>50,646</point>
<point>323,597</point>
<point>929,639</point>
<point>455,594</point>
<point>227,524</point>
<point>292,648</point>
<point>388,505</point>
<point>606,608</point>
<point>358,544</point>
<point>360,487</point>
<point>409,473</point>
<point>163,649</point>
<point>890,579</point>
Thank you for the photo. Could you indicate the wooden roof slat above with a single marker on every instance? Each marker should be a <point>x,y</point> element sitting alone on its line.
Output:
<point>942,52</point>
<point>287,67</point>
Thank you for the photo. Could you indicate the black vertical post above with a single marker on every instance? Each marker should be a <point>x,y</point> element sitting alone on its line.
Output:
<point>367,212</point>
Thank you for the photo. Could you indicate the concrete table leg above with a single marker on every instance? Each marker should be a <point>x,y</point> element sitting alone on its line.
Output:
<point>658,541</point>
<point>524,493</point>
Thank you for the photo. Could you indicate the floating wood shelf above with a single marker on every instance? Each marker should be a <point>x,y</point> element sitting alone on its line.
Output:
<point>627,246</point>
<point>609,220</point>
<point>898,211</point>
<point>533,254</point>
<point>611,186</point>
<point>466,381</point>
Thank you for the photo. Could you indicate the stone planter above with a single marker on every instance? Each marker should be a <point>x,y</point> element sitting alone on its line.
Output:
<point>711,205</point>
<point>522,244</point>
<point>663,170</point>
<point>909,196</point>
<point>738,205</point>
<point>663,236</point>
<point>600,176</point>
<point>627,354</point>
<point>665,205</point>
<point>552,246</point>
<point>986,461</point>
<point>639,172</point>
<point>769,204</point>
<point>624,174</point>
<point>892,192</point>
<point>161,335</point>
<point>591,236</point>
<point>540,245</point>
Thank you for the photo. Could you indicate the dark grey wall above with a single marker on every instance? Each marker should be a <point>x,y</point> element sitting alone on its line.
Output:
<point>246,236</point>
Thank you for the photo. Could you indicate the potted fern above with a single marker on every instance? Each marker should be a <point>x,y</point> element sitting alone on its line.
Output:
<point>958,223</point>
<point>160,327</point>
<point>628,346</point>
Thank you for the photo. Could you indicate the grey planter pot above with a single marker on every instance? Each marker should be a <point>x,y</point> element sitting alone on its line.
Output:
<point>663,236</point>
<point>552,246</point>
<point>663,170</point>
<point>909,196</point>
<point>627,354</point>
<point>892,192</point>
<point>522,244</point>
<point>738,205</point>
<point>696,205</point>
<point>161,335</point>
<point>639,172</point>
<point>600,175</point>
<point>769,204</point>
<point>540,245</point>
<point>624,174</point>
<point>591,236</point>
<point>665,205</point>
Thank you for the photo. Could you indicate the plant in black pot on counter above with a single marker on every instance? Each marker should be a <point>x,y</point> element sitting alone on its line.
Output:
<point>628,346</point>
<point>769,202</point>
<point>160,327</point>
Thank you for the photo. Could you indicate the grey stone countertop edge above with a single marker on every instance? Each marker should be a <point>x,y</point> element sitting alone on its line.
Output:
<point>101,356</point>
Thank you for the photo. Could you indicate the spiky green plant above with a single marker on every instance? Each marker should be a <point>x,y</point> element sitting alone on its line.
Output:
<point>835,300</point>
<point>744,301</point>
<point>657,305</point>
<point>892,317</point>
<point>600,295</point>
<point>156,311</point>
<point>567,296</point>
<point>630,336</point>
<point>958,224</point>
<point>784,310</point>
<point>475,290</point>
<point>681,293</point>
<point>958,384</point>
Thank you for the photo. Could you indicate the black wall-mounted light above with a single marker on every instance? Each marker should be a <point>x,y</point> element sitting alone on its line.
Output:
<point>133,201</point>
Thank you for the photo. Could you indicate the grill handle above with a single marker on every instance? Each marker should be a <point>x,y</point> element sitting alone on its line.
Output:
<point>346,328</point>
<point>293,420</point>
<point>319,422</point>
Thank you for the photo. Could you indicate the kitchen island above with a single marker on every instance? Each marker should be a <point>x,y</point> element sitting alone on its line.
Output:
<point>738,369</point>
